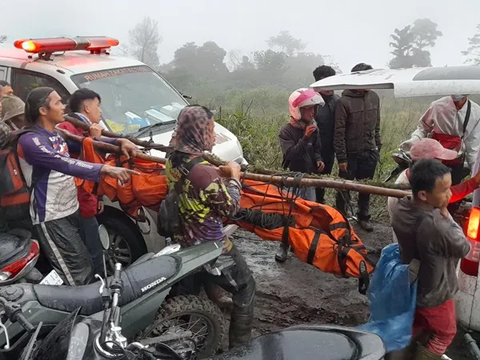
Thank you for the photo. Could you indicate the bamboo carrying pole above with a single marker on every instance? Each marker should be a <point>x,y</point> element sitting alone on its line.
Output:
<point>102,146</point>
<point>146,144</point>
<point>278,180</point>
<point>329,183</point>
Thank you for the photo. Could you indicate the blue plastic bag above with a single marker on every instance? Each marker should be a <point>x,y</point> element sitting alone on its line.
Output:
<point>392,300</point>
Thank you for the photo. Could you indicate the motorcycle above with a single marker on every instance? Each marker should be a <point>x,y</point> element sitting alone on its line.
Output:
<point>403,160</point>
<point>147,309</point>
<point>77,338</point>
<point>311,342</point>
<point>18,256</point>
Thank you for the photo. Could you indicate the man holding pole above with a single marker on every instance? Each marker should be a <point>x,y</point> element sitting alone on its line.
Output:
<point>49,171</point>
<point>85,107</point>
<point>207,195</point>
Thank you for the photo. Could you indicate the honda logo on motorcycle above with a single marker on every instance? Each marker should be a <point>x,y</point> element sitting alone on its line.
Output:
<point>153,284</point>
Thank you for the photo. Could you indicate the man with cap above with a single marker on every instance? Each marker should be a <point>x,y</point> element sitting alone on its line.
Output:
<point>49,172</point>
<point>431,149</point>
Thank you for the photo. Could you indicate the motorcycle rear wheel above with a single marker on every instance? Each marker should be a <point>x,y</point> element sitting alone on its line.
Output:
<point>192,313</point>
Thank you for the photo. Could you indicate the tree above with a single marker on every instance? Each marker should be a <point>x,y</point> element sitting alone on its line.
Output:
<point>144,41</point>
<point>402,45</point>
<point>425,33</point>
<point>473,51</point>
<point>412,43</point>
<point>204,61</point>
<point>286,43</point>
<point>269,62</point>
<point>210,58</point>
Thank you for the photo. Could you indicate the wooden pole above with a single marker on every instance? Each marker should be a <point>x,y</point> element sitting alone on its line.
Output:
<point>279,180</point>
<point>146,144</point>
<point>329,183</point>
<point>99,145</point>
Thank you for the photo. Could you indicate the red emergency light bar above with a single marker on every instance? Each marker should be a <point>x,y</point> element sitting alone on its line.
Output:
<point>50,45</point>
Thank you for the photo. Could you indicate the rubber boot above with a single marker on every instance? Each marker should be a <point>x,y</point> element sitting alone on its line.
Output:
<point>366,225</point>
<point>423,353</point>
<point>241,323</point>
<point>282,253</point>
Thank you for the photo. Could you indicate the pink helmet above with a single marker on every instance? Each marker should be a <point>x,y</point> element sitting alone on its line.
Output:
<point>302,98</point>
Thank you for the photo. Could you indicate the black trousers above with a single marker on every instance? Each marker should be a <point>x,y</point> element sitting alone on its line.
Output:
<point>361,166</point>
<point>62,245</point>
<point>458,174</point>
<point>91,239</point>
<point>328,160</point>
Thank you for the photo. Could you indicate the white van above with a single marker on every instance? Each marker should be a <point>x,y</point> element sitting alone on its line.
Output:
<point>136,101</point>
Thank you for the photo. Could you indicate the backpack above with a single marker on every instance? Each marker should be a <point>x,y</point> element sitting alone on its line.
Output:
<point>168,222</point>
<point>14,192</point>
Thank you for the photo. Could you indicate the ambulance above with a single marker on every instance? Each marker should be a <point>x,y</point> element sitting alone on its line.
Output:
<point>136,101</point>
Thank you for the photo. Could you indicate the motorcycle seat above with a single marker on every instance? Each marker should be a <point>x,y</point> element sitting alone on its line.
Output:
<point>14,245</point>
<point>310,342</point>
<point>137,279</point>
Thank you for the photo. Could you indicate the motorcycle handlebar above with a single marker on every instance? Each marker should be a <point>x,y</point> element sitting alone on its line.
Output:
<point>14,313</point>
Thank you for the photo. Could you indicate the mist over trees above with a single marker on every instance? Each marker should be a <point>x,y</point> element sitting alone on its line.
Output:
<point>195,68</point>
<point>412,44</point>
<point>207,69</point>
<point>143,42</point>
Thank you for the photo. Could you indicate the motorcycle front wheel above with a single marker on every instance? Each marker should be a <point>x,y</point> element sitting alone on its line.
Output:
<point>192,313</point>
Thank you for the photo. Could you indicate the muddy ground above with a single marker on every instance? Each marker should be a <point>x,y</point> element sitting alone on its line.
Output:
<point>296,293</point>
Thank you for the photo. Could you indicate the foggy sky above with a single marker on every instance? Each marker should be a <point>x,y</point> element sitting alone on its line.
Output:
<point>351,31</point>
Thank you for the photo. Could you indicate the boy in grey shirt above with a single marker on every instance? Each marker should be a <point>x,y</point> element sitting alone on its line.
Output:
<point>426,231</point>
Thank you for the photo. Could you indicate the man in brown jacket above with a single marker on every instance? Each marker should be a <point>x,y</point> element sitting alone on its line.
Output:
<point>357,143</point>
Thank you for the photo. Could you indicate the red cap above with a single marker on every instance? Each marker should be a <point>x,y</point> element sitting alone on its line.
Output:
<point>431,149</point>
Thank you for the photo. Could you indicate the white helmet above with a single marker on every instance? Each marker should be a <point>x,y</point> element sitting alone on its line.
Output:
<point>302,98</point>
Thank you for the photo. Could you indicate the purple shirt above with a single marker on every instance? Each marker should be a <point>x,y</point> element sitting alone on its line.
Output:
<point>46,164</point>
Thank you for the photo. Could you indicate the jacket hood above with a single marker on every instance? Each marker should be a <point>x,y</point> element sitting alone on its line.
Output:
<point>353,93</point>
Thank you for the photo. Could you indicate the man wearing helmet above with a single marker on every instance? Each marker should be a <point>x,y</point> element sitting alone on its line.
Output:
<point>300,143</point>
<point>357,143</point>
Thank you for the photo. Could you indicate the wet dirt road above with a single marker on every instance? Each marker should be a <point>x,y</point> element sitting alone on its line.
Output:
<point>296,293</point>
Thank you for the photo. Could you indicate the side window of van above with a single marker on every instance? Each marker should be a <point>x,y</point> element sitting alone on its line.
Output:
<point>23,81</point>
